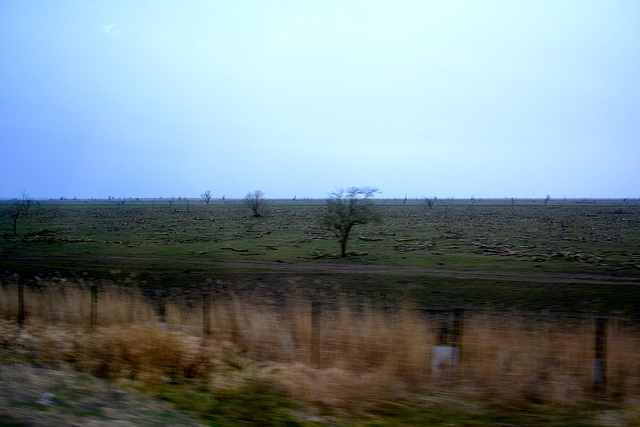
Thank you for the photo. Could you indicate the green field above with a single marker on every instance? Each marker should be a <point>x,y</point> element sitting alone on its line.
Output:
<point>567,255</point>
<point>532,275</point>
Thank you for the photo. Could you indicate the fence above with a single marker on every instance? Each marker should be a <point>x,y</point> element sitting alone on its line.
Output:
<point>536,354</point>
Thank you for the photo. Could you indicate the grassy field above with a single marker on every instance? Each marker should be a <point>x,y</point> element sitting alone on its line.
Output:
<point>567,255</point>
<point>530,275</point>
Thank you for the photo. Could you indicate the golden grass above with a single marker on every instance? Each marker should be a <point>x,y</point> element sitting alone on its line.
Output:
<point>364,355</point>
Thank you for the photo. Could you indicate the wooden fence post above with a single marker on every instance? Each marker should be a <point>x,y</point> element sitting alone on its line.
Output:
<point>600,359</point>
<point>206,317</point>
<point>316,313</point>
<point>161,304</point>
<point>443,334</point>
<point>20,302</point>
<point>93,316</point>
<point>456,334</point>
<point>448,349</point>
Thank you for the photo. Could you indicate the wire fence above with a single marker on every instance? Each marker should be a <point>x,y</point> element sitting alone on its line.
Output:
<point>535,353</point>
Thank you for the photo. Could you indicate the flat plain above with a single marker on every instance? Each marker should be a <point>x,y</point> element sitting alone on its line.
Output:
<point>204,311</point>
<point>529,254</point>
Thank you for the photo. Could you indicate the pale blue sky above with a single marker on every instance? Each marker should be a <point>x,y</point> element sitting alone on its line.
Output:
<point>423,98</point>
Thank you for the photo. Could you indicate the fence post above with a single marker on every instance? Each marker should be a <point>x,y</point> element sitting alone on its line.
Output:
<point>456,334</point>
<point>316,312</point>
<point>600,359</point>
<point>161,306</point>
<point>448,349</point>
<point>20,302</point>
<point>206,318</point>
<point>443,334</point>
<point>93,320</point>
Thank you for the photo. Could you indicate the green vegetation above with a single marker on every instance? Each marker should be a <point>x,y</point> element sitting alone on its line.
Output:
<point>255,402</point>
<point>566,256</point>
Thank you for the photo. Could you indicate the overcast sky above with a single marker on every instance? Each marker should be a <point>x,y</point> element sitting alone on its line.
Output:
<point>423,98</point>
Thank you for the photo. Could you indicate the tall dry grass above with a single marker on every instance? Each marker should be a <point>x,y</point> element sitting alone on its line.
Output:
<point>358,355</point>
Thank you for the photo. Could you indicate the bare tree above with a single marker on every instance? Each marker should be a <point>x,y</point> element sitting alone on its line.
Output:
<point>206,196</point>
<point>428,201</point>
<point>546,201</point>
<point>255,201</point>
<point>345,210</point>
<point>26,202</point>
<point>16,213</point>
<point>20,208</point>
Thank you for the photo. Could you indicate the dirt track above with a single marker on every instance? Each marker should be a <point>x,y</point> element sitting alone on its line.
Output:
<point>326,267</point>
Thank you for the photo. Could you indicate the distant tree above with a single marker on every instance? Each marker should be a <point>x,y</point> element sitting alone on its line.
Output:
<point>187,201</point>
<point>16,213</point>
<point>255,201</point>
<point>429,202</point>
<point>446,209</point>
<point>345,210</point>
<point>27,202</point>
<point>20,208</point>
<point>206,196</point>
<point>547,200</point>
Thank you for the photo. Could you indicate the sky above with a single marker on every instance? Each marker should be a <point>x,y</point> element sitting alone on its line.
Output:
<point>484,99</point>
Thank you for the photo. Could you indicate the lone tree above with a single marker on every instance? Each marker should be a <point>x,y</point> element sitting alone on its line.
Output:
<point>345,210</point>
<point>255,201</point>
<point>20,209</point>
<point>206,196</point>
<point>428,201</point>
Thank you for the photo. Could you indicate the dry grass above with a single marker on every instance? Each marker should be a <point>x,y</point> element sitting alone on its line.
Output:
<point>364,355</point>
